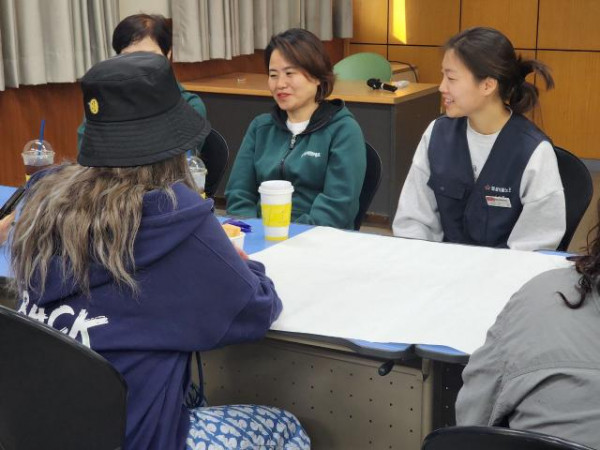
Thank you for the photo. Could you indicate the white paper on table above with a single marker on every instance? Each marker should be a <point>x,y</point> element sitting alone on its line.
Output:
<point>385,289</point>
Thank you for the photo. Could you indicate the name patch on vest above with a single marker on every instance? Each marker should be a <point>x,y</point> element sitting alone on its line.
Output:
<point>502,202</point>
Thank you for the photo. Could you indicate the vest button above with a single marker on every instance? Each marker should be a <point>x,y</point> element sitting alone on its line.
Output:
<point>442,188</point>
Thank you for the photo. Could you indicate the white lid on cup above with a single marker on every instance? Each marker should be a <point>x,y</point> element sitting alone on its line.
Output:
<point>276,187</point>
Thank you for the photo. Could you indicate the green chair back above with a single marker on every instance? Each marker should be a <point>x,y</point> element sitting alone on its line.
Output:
<point>362,66</point>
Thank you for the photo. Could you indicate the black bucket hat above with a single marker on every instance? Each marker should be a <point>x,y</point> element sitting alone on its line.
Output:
<point>135,114</point>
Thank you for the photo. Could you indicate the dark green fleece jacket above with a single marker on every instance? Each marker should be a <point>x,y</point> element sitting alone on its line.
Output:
<point>325,164</point>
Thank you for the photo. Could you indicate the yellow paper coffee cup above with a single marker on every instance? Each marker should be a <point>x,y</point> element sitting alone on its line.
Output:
<point>276,208</point>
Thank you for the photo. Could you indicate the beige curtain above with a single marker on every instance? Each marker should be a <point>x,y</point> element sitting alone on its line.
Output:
<point>53,41</point>
<point>222,29</point>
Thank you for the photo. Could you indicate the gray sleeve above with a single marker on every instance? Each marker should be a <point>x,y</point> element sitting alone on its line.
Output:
<point>542,222</point>
<point>482,379</point>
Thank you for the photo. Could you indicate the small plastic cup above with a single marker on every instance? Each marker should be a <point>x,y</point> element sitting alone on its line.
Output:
<point>238,241</point>
<point>198,171</point>
<point>276,208</point>
<point>37,156</point>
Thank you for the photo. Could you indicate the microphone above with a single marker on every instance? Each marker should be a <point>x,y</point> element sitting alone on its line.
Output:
<point>376,83</point>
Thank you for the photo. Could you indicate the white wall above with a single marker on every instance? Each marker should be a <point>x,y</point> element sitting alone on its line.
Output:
<point>129,7</point>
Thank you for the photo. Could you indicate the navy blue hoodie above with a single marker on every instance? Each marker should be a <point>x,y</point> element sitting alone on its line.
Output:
<point>196,293</point>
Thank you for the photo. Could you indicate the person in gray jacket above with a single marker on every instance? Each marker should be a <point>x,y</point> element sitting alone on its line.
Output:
<point>539,369</point>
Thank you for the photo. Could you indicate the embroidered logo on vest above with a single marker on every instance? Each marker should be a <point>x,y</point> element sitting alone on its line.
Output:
<point>489,187</point>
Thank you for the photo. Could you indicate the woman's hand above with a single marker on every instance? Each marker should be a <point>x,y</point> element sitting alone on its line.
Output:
<point>242,253</point>
<point>5,225</point>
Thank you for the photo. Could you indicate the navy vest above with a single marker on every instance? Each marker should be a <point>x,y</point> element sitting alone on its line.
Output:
<point>466,215</point>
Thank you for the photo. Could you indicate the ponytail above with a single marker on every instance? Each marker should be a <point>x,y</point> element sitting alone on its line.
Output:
<point>524,96</point>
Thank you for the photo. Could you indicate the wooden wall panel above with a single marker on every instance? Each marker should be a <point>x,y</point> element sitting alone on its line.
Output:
<point>372,48</point>
<point>517,19</point>
<point>569,113</point>
<point>569,25</point>
<point>247,63</point>
<point>335,49</point>
<point>422,22</point>
<point>370,21</point>
<point>427,59</point>
<point>21,112</point>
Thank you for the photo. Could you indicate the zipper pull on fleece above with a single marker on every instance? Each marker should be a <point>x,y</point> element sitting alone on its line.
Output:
<point>282,163</point>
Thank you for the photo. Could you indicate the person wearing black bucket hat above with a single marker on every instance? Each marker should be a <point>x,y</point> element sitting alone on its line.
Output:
<point>147,33</point>
<point>135,114</point>
<point>122,253</point>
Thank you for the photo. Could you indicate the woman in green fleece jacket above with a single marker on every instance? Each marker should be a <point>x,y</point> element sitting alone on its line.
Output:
<point>313,143</point>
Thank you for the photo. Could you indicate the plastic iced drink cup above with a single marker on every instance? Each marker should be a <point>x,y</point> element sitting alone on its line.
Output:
<point>276,208</point>
<point>198,171</point>
<point>37,156</point>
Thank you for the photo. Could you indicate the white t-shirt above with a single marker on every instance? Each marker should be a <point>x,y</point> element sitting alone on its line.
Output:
<point>298,127</point>
<point>542,222</point>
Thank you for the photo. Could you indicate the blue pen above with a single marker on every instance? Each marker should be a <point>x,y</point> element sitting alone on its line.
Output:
<point>245,227</point>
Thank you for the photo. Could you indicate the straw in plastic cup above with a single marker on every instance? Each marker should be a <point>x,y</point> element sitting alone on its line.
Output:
<point>37,155</point>
<point>276,208</point>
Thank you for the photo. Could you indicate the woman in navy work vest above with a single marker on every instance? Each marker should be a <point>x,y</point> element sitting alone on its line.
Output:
<point>483,174</point>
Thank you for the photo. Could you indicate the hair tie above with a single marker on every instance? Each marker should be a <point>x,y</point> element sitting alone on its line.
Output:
<point>524,70</point>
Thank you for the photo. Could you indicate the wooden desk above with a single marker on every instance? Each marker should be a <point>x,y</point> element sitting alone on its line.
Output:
<point>391,122</point>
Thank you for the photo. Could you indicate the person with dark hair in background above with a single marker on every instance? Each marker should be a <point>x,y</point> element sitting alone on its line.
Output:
<point>147,33</point>
<point>122,253</point>
<point>313,143</point>
<point>539,369</point>
<point>484,174</point>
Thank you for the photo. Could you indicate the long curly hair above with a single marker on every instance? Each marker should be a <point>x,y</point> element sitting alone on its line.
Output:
<point>84,215</point>
<point>588,266</point>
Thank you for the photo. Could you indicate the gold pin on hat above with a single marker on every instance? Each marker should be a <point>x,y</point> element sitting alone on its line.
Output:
<point>94,106</point>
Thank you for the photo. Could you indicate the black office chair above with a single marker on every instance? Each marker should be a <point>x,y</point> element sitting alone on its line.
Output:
<point>54,392</point>
<point>215,154</point>
<point>577,182</point>
<point>494,438</point>
<point>370,185</point>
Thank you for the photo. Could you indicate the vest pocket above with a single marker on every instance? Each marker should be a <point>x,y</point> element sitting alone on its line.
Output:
<point>448,188</point>
<point>476,219</point>
<point>490,225</point>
